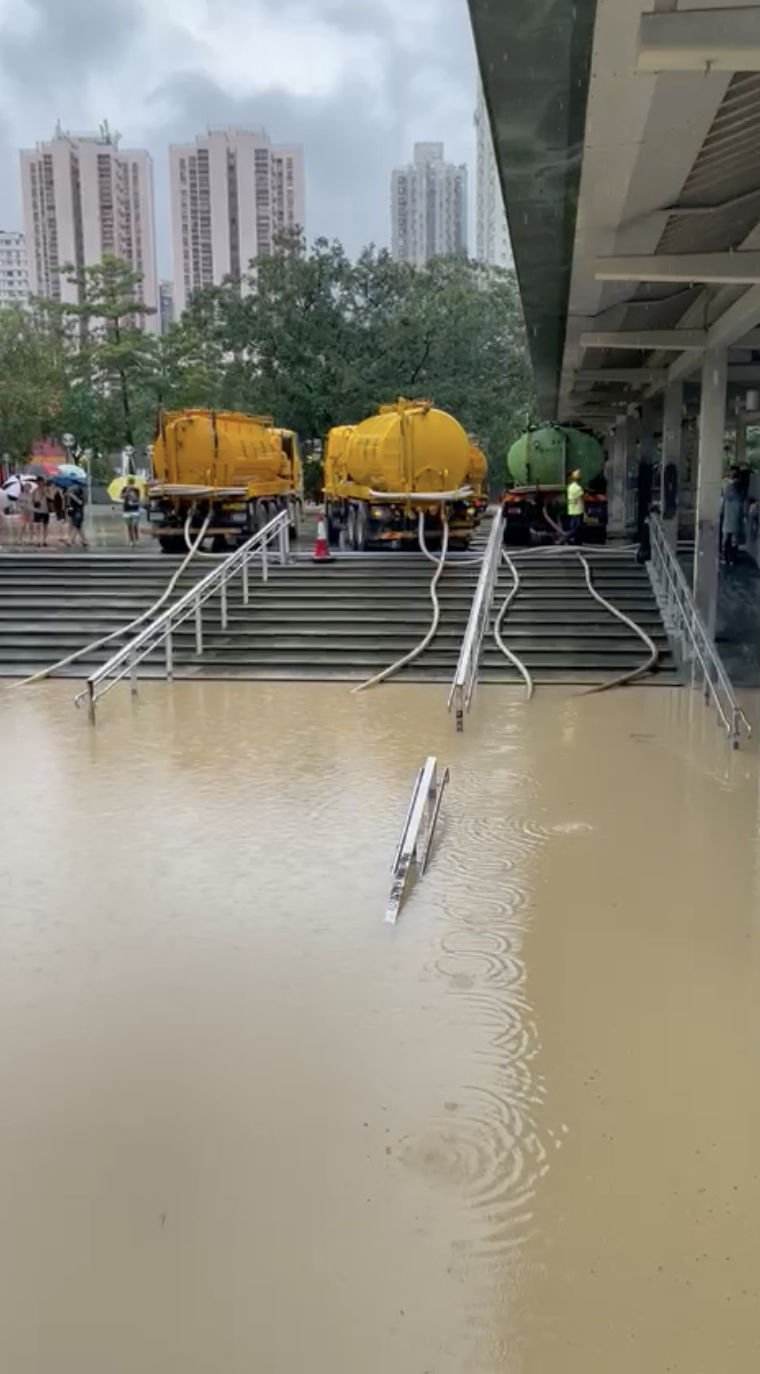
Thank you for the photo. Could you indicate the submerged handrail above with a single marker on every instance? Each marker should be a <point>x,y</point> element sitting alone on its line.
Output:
<point>466,676</point>
<point>160,631</point>
<point>682,619</point>
<point>416,839</point>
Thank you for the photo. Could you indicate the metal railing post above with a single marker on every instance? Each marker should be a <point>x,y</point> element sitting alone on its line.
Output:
<point>91,702</point>
<point>245,582</point>
<point>199,629</point>
<point>284,538</point>
<point>223,599</point>
<point>169,653</point>
<point>264,563</point>
<point>133,674</point>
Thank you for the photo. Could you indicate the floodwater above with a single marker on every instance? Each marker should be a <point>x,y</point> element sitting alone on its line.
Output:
<point>247,1126</point>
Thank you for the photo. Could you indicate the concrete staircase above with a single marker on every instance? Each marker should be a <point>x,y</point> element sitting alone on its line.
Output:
<point>345,620</point>
<point>563,635</point>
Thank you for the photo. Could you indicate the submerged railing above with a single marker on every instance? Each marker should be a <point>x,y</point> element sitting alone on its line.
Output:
<point>466,676</point>
<point>684,623</point>
<point>413,849</point>
<point>160,632</point>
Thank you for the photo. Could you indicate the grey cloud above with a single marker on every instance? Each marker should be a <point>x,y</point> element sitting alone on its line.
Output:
<point>351,141</point>
<point>69,36</point>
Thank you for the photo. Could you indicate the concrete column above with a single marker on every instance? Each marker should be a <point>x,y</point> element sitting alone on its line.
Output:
<point>712,423</point>
<point>645,476</point>
<point>618,486</point>
<point>671,467</point>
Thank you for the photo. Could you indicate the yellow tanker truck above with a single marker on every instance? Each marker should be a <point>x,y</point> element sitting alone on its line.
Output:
<point>380,475</point>
<point>239,467</point>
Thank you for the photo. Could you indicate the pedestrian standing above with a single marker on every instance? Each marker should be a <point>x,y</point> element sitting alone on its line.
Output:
<point>41,509</point>
<point>575,507</point>
<point>75,515</point>
<point>733,506</point>
<point>130,504</point>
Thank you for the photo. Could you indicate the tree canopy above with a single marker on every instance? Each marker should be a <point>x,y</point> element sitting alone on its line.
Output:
<point>308,336</point>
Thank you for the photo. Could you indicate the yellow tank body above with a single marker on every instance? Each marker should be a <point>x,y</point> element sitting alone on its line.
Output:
<point>237,470</point>
<point>408,448</point>
<point>478,472</point>
<point>333,466</point>
<point>221,450</point>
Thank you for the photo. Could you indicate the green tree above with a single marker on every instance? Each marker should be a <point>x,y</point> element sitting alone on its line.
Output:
<point>110,357</point>
<point>32,380</point>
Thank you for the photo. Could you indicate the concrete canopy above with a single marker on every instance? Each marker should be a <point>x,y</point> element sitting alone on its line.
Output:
<point>613,159</point>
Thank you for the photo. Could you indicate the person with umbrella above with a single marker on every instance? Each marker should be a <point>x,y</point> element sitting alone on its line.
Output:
<point>130,504</point>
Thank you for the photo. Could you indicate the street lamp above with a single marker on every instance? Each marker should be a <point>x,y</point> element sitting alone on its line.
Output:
<point>127,460</point>
<point>68,444</point>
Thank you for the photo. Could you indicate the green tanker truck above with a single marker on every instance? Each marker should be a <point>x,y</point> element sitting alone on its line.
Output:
<point>540,463</point>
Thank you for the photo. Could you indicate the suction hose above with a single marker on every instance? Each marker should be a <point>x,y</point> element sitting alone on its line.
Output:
<point>133,624</point>
<point>423,644</point>
<point>654,652</point>
<point>512,657</point>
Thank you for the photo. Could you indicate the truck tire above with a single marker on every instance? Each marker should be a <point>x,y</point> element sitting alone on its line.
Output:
<point>332,526</point>
<point>350,530</point>
<point>360,529</point>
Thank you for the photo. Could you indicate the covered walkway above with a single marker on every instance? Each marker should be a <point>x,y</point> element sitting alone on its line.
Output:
<point>628,141</point>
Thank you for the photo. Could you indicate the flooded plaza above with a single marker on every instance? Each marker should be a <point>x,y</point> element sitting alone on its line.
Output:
<point>248,1126</point>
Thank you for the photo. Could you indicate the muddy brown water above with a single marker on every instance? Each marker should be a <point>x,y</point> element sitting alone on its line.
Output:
<point>247,1126</point>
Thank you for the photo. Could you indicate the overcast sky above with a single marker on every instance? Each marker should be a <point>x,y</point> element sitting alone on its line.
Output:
<point>355,81</point>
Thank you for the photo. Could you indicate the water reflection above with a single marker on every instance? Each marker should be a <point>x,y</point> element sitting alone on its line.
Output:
<point>248,1125</point>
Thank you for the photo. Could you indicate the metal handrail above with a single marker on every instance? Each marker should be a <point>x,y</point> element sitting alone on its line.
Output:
<point>682,619</point>
<point>466,675</point>
<point>160,631</point>
<point>416,839</point>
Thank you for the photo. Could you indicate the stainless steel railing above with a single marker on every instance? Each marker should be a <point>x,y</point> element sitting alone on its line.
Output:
<point>684,624</point>
<point>413,848</point>
<point>465,679</point>
<point>160,632</point>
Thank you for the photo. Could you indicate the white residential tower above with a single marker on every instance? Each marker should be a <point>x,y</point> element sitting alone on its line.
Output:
<point>492,233</point>
<point>428,207</point>
<point>14,274</point>
<point>232,192</point>
<point>85,197</point>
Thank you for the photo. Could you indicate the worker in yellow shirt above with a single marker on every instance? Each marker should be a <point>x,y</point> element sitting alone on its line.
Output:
<point>575,507</point>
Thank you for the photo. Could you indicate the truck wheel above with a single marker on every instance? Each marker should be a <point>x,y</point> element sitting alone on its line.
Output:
<point>350,530</point>
<point>332,526</point>
<point>360,529</point>
<point>294,512</point>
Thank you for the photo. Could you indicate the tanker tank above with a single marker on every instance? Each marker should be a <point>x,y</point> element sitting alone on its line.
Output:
<point>381,473</point>
<point>540,463</point>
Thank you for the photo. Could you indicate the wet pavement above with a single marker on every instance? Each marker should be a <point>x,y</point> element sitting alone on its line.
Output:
<point>248,1126</point>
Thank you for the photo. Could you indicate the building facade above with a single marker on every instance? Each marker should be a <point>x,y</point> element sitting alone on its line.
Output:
<point>491,230</point>
<point>232,192</point>
<point>166,305</point>
<point>85,197</point>
<point>428,207</point>
<point>14,273</point>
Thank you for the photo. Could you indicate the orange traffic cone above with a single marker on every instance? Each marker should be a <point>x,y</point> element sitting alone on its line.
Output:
<point>321,552</point>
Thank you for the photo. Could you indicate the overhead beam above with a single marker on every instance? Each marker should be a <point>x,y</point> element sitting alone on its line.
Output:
<point>725,269</point>
<point>736,323</point>
<point>704,40</point>
<point>636,376</point>
<point>647,339</point>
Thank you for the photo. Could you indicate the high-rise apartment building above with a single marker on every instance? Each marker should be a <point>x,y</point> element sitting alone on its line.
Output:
<point>232,192</point>
<point>85,197</point>
<point>14,274</point>
<point>428,207</point>
<point>166,305</point>
<point>491,232</point>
